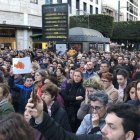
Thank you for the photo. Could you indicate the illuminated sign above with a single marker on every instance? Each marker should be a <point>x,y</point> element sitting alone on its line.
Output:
<point>55,22</point>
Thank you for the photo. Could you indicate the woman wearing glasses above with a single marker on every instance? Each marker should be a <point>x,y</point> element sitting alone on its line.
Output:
<point>109,88</point>
<point>96,119</point>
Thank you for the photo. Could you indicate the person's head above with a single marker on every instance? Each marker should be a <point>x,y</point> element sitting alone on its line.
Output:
<point>104,67</point>
<point>133,62</point>
<point>126,60</point>
<point>98,103</point>
<point>106,79</point>
<point>71,73</point>
<point>60,72</point>
<point>55,63</point>
<point>130,93</point>
<point>108,55</point>
<point>138,89</point>
<point>28,80</point>
<point>78,76</point>
<point>4,91</point>
<point>14,127</point>
<point>49,93</point>
<point>40,76</point>
<point>120,59</point>
<point>92,84</point>
<point>51,69</point>
<point>122,76</point>
<point>122,122</point>
<point>89,65</point>
<point>35,67</point>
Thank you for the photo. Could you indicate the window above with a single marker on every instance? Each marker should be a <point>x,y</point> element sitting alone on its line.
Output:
<point>69,2</point>
<point>91,9</point>
<point>77,4</point>
<point>96,1</point>
<point>48,1</point>
<point>34,1</point>
<point>84,6</point>
<point>59,1</point>
<point>96,9</point>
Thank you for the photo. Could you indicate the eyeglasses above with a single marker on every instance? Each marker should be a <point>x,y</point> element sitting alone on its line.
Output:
<point>97,108</point>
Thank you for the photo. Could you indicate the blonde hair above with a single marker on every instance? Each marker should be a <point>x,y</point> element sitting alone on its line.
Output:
<point>93,82</point>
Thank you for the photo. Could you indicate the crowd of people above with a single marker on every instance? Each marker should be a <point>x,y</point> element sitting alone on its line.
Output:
<point>82,96</point>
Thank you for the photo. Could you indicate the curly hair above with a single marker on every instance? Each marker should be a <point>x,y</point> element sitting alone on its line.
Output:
<point>93,82</point>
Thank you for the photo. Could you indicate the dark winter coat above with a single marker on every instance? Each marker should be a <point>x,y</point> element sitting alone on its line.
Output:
<point>60,116</point>
<point>71,104</point>
<point>53,131</point>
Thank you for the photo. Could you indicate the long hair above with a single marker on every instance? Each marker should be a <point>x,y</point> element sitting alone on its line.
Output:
<point>14,127</point>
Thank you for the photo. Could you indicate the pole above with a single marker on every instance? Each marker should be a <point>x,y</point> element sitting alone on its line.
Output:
<point>118,10</point>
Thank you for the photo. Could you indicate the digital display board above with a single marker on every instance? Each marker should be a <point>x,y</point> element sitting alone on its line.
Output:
<point>55,22</point>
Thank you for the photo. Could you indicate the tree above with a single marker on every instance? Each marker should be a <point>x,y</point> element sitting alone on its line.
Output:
<point>101,23</point>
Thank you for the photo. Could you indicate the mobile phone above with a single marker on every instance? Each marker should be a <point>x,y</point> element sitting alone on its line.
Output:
<point>34,95</point>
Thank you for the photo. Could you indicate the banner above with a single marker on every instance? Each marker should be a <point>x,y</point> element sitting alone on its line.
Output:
<point>21,65</point>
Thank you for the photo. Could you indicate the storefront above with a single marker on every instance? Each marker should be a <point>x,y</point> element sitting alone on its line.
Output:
<point>7,38</point>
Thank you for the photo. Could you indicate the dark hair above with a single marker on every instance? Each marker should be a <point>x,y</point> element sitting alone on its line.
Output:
<point>100,96</point>
<point>27,76</point>
<point>105,62</point>
<point>127,95</point>
<point>51,88</point>
<point>129,115</point>
<point>14,127</point>
<point>123,72</point>
<point>62,71</point>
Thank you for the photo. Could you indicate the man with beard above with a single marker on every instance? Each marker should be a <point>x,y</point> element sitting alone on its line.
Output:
<point>89,70</point>
<point>122,123</point>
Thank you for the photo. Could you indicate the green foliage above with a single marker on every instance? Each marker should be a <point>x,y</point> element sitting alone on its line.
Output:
<point>126,31</point>
<point>102,23</point>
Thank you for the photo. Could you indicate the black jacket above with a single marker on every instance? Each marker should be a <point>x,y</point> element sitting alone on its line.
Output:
<point>60,116</point>
<point>52,131</point>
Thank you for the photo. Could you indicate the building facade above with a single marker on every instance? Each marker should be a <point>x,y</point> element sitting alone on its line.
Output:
<point>126,10</point>
<point>19,20</point>
<point>80,7</point>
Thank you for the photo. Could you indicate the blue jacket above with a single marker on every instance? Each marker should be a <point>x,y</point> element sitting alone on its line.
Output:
<point>24,94</point>
<point>86,125</point>
<point>87,74</point>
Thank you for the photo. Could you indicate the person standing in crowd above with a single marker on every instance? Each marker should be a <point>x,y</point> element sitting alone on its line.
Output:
<point>91,85</point>
<point>73,96</point>
<point>49,94</point>
<point>60,74</point>
<point>123,81</point>
<point>109,88</point>
<point>5,105</point>
<point>40,77</point>
<point>130,92</point>
<point>16,79</point>
<point>89,70</point>
<point>23,90</point>
<point>98,106</point>
<point>104,67</point>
